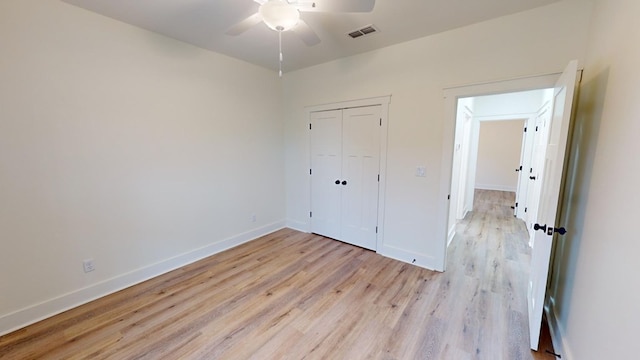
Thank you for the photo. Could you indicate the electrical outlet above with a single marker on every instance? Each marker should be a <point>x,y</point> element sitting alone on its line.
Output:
<point>253,217</point>
<point>88,265</point>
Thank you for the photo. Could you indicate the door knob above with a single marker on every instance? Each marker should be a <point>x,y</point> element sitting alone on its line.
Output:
<point>344,182</point>
<point>549,230</point>
<point>560,230</point>
<point>539,227</point>
<point>532,177</point>
<point>337,182</point>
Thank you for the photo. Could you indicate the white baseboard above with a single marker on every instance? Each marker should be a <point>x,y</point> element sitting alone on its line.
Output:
<point>34,313</point>
<point>452,233</point>
<point>558,337</point>
<point>496,187</point>
<point>424,261</point>
<point>298,225</point>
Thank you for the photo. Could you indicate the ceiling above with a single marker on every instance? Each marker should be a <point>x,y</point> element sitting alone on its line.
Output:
<point>203,23</point>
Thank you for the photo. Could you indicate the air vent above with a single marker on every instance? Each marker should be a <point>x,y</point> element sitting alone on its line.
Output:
<point>367,30</point>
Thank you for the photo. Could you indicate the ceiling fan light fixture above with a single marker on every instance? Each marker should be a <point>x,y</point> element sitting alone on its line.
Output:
<point>279,15</point>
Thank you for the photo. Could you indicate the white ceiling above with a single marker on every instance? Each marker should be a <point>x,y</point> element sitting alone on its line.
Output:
<point>203,23</point>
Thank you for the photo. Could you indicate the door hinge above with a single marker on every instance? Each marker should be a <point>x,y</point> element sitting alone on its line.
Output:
<point>525,209</point>
<point>310,214</point>
<point>309,126</point>
<point>376,229</point>
<point>378,177</point>
<point>449,197</point>
<point>310,172</point>
<point>525,129</point>
<point>536,128</point>
<point>516,204</point>
<point>380,121</point>
<point>520,167</point>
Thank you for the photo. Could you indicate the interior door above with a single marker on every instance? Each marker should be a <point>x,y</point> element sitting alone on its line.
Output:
<point>360,170</point>
<point>326,160</point>
<point>551,181</point>
<point>533,173</point>
<point>523,170</point>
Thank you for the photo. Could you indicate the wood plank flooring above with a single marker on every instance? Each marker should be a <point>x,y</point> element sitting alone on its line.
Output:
<point>291,295</point>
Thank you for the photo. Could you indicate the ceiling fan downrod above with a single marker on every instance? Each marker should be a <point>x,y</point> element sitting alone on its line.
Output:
<point>280,50</point>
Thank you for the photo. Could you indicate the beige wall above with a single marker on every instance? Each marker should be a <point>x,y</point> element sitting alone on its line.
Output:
<point>595,288</point>
<point>127,147</point>
<point>499,151</point>
<point>415,73</point>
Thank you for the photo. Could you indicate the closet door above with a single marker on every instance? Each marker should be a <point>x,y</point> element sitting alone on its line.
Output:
<point>326,163</point>
<point>360,169</point>
<point>345,161</point>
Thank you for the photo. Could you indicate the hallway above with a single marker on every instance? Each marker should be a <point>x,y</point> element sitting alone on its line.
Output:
<point>490,250</point>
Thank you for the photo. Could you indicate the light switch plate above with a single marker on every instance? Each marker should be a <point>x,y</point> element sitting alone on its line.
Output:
<point>421,171</point>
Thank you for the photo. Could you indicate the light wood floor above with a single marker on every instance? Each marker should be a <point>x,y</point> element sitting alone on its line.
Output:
<point>291,295</point>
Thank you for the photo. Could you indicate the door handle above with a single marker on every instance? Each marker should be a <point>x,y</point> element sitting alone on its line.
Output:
<point>344,182</point>
<point>549,230</point>
<point>537,227</point>
<point>532,177</point>
<point>560,230</point>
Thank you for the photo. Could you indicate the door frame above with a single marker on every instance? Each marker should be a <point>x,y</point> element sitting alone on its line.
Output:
<point>383,102</point>
<point>451,96</point>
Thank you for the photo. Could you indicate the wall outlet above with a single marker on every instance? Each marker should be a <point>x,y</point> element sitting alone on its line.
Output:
<point>253,218</point>
<point>88,265</point>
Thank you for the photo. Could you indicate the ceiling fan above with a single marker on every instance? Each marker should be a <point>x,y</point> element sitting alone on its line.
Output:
<point>284,15</point>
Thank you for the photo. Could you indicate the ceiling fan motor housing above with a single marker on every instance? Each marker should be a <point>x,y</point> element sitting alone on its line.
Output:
<point>279,15</point>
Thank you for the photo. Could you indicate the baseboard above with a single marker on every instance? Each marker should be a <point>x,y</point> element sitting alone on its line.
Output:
<point>34,313</point>
<point>558,337</point>
<point>298,225</point>
<point>424,261</point>
<point>452,233</point>
<point>496,187</point>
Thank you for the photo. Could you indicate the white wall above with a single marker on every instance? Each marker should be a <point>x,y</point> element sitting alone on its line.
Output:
<point>539,41</point>
<point>594,286</point>
<point>511,104</point>
<point>499,150</point>
<point>127,147</point>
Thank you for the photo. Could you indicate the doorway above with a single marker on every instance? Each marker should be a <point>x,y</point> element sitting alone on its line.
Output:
<point>494,147</point>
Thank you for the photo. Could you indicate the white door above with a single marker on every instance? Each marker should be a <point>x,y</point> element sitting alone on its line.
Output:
<point>523,169</point>
<point>551,181</point>
<point>360,169</point>
<point>345,165</point>
<point>533,173</point>
<point>326,160</point>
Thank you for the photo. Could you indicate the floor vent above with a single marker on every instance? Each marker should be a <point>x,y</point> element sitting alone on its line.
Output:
<point>367,30</point>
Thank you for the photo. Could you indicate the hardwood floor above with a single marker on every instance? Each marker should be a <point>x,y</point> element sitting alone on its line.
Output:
<point>291,295</point>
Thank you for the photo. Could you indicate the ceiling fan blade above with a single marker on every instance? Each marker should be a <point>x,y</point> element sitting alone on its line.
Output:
<point>244,25</point>
<point>354,6</point>
<point>306,33</point>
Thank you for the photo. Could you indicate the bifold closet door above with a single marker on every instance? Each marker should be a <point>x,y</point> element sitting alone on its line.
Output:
<point>345,147</point>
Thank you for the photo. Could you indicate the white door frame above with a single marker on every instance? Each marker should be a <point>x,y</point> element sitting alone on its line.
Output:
<point>384,102</point>
<point>451,96</point>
